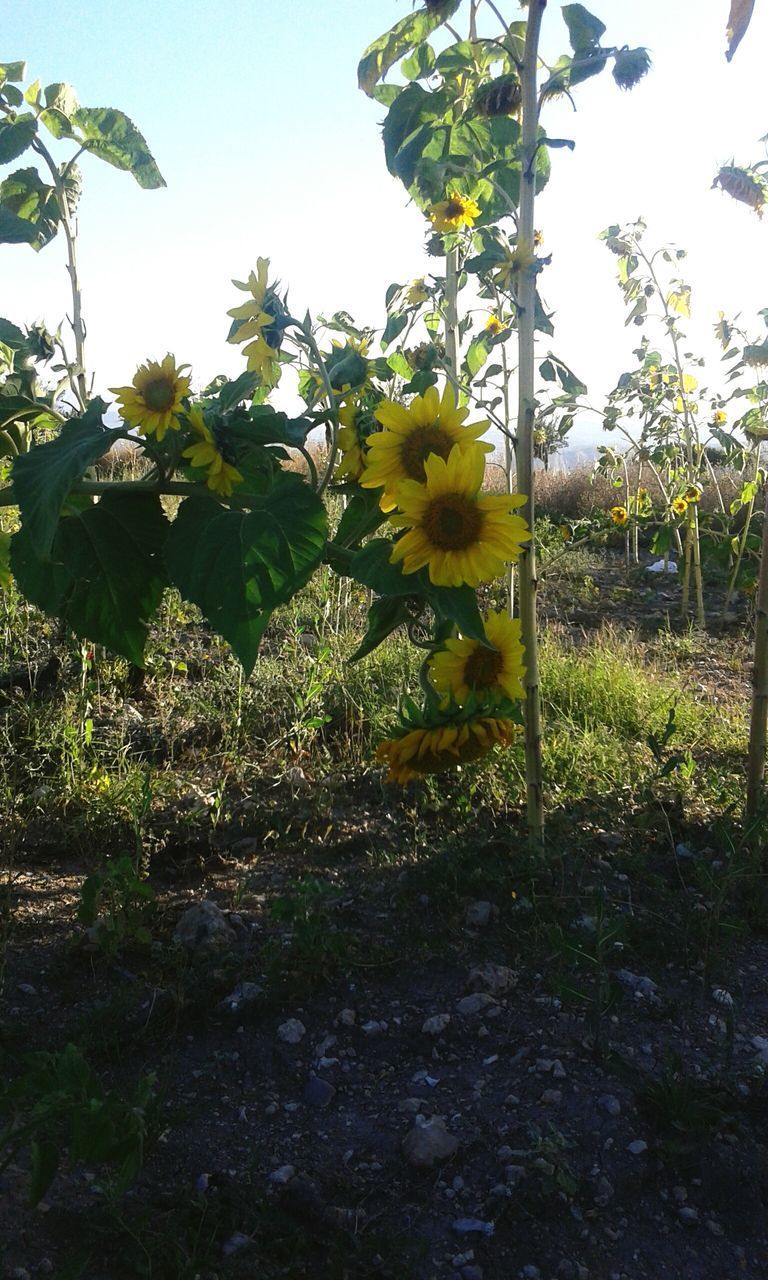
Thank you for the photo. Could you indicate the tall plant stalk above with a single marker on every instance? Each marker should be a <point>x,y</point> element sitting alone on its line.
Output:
<point>527,577</point>
<point>759,718</point>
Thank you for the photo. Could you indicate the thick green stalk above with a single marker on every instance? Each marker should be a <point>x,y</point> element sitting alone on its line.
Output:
<point>759,718</point>
<point>526,298</point>
<point>742,543</point>
<point>452,313</point>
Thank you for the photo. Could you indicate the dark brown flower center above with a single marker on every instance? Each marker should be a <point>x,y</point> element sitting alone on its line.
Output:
<point>159,394</point>
<point>452,522</point>
<point>417,447</point>
<point>454,208</point>
<point>482,668</point>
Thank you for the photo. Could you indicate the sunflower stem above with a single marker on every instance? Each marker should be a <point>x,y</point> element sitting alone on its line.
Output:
<point>527,576</point>
<point>451,311</point>
<point>759,717</point>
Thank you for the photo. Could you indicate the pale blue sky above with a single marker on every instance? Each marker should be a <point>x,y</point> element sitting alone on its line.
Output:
<point>268,148</point>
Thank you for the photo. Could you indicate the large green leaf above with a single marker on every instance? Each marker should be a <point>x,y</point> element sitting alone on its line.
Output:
<point>109,134</point>
<point>584,29</point>
<point>16,136</point>
<point>15,230</point>
<point>372,566</point>
<point>398,41</point>
<point>104,575</point>
<point>238,565</point>
<point>26,196</point>
<point>12,71</point>
<point>43,477</point>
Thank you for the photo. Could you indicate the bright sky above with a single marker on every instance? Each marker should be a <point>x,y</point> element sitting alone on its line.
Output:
<point>252,111</point>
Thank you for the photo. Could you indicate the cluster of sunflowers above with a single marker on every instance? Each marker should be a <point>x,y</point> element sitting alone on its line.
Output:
<point>429,464</point>
<point>678,505</point>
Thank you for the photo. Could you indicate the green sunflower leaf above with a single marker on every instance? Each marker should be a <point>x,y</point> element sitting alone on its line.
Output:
<point>25,195</point>
<point>16,136</point>
<point>406,34</point>
<point>15,230</point>
<point>43,477</point>
<point>104,575</point>
<point>109,134</point>
<point>237,566</point>
<point>384,616</point>
<point>584,29</point>
<point>372,566</point>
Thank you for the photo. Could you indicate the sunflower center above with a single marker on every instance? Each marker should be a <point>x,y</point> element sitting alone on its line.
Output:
<point>454,208</point>
<point>417,447</point>
<point>159,394</point>
<point>452,522</point>
<point>482,668</point>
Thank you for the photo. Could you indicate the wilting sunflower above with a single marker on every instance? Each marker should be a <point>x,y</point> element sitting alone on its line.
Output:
<point>692,493</point>
<point>679,506</point>
<point>454,213</point>
<point>516,260</point>
<point>222,476</point>
<point>462,535</point>
<point>432,750</point>
<point>429,425</point>
<point>153,401</point>
<point>619,515</point>
<point>254,323</point>
<point>465,666</point>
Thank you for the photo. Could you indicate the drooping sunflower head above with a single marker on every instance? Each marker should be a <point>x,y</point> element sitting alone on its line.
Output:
<point>459,533</point>
<point>629,67</point>
<point>500,97</point>
<point>417,292</point>
<point>679,506</point>
<point>453,213</point>
<point>263,316</point>
<point>430,425</point>
<point>692,493</point>
<point>154,400</point>
<point>418,751</point>
<point>464,667</point>
<point>745,185</point>
<point>356,424</point>
<point>208,454</point>
<point>619,515</point>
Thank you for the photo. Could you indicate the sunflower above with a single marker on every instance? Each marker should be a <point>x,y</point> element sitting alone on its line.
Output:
<point>619,515</point>
<point>351,441</point>
<point>719,417</point>
<point>432,750</point>
<point>463,666</point>
<point>463,536</point>
<point>153,401</point>
<point>222,476</point>
<point>493,325</point>
<point>417,293</point>
<point>679,506</point>
<point>452,214</point>
<point>254,323</point>
<point>515,261</point>
<point>692,493</point>
<point>430,425</point>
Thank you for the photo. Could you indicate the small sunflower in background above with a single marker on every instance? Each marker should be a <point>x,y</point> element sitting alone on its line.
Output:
<point>493,325</point>
<point>679,506</point>
<point>465,666</point>
<point>619,515</point>
<point>417,293</point>
<point>153,401</point>
<point>460,534</point>
<point>222,476</point>
<point>692,493</point>
<point>452,214</point>
<point>431,424</point>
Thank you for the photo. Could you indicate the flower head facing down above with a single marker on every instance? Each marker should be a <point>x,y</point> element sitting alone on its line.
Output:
<point>452,214</point>
<point>154,400</point>
<point>679,506</point>
<point>417,293</point>
<point>431,424</point>
<point>205,453</point>
<point>458,533</point>
<point>464,666</point>
<point>619,515</point>
<point>422,751</point>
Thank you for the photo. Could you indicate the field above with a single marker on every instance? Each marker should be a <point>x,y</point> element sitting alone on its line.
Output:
<point>583,1029</point>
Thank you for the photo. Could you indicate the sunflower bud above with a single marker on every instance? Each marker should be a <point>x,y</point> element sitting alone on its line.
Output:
<point>501,97</point>
<point>744,185</point>
<point>629,67</point>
